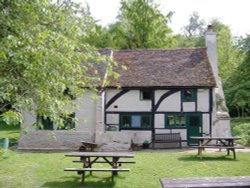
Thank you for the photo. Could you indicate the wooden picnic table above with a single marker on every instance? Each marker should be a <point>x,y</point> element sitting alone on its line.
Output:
<point>88,159</point>
<point>234,181</point>
<point>218,142</point>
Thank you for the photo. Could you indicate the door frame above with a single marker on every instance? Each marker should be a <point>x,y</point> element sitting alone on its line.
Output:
<point>190,129</point>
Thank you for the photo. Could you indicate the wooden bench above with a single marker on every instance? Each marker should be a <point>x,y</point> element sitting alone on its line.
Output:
<point>167,138</point>
<point>119,162</point>
<point>235,181</point>
<point>83,170</point>
<point>228,148</point>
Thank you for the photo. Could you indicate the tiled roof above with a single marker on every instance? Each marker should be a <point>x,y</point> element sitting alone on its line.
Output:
<point>163,68</point>
<point>187,67</point>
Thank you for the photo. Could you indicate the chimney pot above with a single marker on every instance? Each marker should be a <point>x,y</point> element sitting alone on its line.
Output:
<point>209,28</point>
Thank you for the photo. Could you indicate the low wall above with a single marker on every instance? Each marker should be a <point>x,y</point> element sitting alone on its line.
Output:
<point>52,140</point>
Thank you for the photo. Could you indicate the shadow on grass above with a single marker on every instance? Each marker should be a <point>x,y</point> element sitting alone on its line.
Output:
<point>206,158</point>
<point>91,181</point>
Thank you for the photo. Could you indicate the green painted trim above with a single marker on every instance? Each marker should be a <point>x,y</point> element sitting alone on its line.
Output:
<point>130,117</point>
<point>195,130</point>
<point>192,98</point>
<point>175,125</point>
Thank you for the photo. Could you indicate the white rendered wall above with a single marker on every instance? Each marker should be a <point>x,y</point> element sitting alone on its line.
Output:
<point>205,123</point>
<point>113,119</point>
<point>188,106</point>
<point>203,100</point>
<point>171,103</point>
<point>130,101</point>
<point>159,120</point>
<point>86,114</point>
<point>32,139</point>
<point>111,93</point>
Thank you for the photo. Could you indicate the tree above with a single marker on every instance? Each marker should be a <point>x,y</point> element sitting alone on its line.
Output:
<point>196,26</point>
<point>42,56</point>
<point>229,56</point>
<point>238,84</point>
<point>141,25</point>
<point>193,33</point>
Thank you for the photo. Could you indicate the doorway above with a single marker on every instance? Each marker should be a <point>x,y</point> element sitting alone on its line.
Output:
<point>194,126</point>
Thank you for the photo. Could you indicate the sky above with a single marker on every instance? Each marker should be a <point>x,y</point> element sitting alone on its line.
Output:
<point>234,13</point>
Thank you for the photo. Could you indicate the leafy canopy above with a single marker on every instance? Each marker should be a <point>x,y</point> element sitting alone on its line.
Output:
<point>140,25</point>
<point>43,53</point>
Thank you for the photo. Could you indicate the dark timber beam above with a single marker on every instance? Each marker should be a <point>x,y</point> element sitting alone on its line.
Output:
<point>114,98</point>
<point>164,96</point>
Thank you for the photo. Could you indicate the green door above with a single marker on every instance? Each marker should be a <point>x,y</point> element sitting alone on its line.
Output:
<point>194,126</point>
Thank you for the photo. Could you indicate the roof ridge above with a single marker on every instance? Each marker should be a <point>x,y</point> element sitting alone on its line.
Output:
<point>156,49</point>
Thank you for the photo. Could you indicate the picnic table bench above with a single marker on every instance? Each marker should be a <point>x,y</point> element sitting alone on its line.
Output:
<point>83,170</point>
<point>88,159</point>
<point>220,143</point>
<point>167,138</point>
<point>235,181</point>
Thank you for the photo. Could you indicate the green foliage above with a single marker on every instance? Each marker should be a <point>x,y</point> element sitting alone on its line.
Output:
<point>241,128</point>
<point>140,25</point>
<point>43,52</point>
<point>238,85</point>
<point>182,41</point>
<point>193,33</point>
<point>229,57</point>
<point>11,117</point>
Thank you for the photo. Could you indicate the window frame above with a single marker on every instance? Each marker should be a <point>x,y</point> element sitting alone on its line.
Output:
<point>133,127</point>
<point>175,125</point>
<point>45,123</point>
<point>192,98</point>
<point>149,92</point>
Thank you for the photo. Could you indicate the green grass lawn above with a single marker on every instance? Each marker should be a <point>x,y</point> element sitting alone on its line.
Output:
<point>7,131</point>
<point>10,132</point>
<point>29,170</point>
<point>46,169</point>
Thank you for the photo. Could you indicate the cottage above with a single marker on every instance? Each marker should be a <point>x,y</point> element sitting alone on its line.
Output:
<point>162,91</point>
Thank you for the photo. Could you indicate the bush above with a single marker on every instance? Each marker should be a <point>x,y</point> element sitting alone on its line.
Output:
<point>241,128</point>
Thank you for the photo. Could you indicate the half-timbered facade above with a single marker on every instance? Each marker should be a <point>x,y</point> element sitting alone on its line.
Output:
<point>166,91</point>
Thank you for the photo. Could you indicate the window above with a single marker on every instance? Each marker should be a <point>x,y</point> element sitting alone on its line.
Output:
<point>195,120</point>
<point>136,121</point>
<point>175,121</point>
<point>189,95</point>
<point>170,120</point>
<point>145,95</point>
<point>146,122</point>
<point>45,123</point>
<point>180,120</point>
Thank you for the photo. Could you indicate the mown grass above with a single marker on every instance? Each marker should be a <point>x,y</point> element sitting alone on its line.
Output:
<point>9,131</point>
<point>46,169</point>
